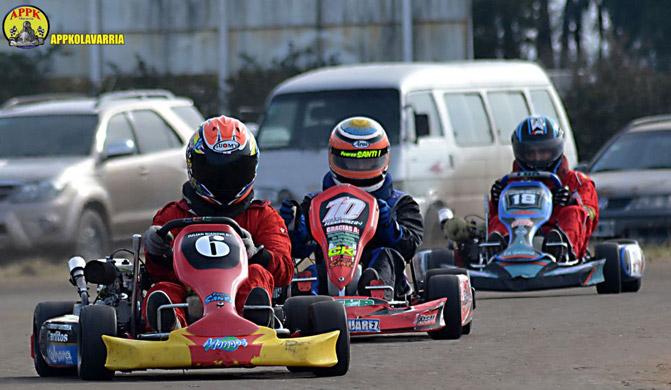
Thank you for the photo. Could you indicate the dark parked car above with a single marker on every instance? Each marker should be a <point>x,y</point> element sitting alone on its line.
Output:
<point>633,177</point>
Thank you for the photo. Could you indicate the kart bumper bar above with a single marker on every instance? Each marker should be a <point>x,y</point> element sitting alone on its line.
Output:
<point>494,277</point>
<point>183,350</point>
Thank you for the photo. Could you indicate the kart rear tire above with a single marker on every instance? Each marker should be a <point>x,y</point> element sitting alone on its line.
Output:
<point>438,257</point>
<point>446,286</point>
<point>612,274</point>
<point>45,311</point>
<point>631,286</point>
<point>441,271</point>
<point>466,329</point>
<point>94,322</point>
<point>328,316</point>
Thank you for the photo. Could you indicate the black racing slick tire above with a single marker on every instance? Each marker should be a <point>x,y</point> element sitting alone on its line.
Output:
<point>612,275</point>
<point>631,286</point>
<point>45,311</point>
<point>94,322</point>
<point>327,317</point>
<point>439,257</point>
<point>446,286</point>
<point>297,319</point>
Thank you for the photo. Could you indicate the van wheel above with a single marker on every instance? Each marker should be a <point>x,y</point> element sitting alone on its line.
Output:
<point>92,236</point>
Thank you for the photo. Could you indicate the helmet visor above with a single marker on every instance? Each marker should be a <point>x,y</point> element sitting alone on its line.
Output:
<point>360,160</point>
<point>539,154</point>
<point>226,182</point>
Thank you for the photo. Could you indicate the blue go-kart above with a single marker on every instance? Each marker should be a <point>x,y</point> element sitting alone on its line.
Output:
<point>524,206</point>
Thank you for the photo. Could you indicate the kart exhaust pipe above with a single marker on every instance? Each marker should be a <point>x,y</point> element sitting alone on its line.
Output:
<point>76,266</point>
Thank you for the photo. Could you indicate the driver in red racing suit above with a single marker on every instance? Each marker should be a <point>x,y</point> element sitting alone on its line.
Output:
<point>213,191</point>
<point>538,144</point>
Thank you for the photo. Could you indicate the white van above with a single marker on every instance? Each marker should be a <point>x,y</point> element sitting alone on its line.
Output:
<point>449,125</point>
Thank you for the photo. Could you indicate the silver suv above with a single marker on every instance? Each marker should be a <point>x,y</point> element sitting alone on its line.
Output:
<point>77,174</point>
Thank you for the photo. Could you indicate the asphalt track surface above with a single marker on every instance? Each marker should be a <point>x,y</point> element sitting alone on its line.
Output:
<point>562,339</point>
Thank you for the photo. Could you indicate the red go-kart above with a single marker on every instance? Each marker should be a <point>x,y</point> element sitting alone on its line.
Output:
<point>95,339</point>
<point>343,219</point>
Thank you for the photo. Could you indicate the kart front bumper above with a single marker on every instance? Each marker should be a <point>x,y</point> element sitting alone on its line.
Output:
<point>496,277</point>
<point>184,350</point>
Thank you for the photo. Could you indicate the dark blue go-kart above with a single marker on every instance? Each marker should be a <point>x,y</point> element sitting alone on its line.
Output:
<point>524,206</point>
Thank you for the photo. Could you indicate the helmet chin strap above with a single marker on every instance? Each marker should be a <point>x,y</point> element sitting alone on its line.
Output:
<point>371,188</point>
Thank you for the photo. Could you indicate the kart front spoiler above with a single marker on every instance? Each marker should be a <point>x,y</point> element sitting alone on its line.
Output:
<point>184,350</point>
<point>505,277</point>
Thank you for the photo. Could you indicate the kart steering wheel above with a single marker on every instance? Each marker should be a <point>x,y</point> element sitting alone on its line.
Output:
<point>515,176</point>
<point>182,222</point>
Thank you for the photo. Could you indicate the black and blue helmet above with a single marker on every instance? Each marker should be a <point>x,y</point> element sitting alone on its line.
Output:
<point>538,143</point>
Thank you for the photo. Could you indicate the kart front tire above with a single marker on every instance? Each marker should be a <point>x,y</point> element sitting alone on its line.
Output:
<point>45,311</point>
<point>94,322</point>
<point>328,316</point>
<point>297,319</point>
<point>447,286</point>
<point>612,275</point>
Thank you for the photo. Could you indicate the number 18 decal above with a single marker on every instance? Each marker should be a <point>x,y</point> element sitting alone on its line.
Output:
<point>523,199</point>
<point>344,208</point>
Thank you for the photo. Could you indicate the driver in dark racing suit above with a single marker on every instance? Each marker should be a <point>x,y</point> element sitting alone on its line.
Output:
<point>538,144</point>
<point>220,146</point>
<point>400,229</point>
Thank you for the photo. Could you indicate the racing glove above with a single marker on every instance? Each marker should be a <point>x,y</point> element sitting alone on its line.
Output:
<point>255,254</point>
<point>561,196</point>
<point>495,191</point>
<point>155,245</point>
<point>299,231</point>
<point>388,229</point>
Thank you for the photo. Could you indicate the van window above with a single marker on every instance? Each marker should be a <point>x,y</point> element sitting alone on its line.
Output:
<point>305,120</point>
<point>468,119</point>
<point>508,109</point>
<point>542,102</point>
<point>422,103</point>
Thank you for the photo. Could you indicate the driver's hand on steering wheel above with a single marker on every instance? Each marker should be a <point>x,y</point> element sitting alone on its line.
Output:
<point>154,244</point>
<point>495,191</point>
<point>561,196</point>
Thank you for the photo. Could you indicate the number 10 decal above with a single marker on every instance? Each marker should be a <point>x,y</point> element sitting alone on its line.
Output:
<point>344,208</point>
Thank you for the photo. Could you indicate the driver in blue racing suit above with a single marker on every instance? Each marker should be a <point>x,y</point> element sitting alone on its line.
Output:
<point>400,229</point>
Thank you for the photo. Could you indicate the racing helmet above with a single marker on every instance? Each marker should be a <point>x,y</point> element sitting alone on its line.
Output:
<point>538,143</point>
<point>221,160</point>
<point>359,153</point>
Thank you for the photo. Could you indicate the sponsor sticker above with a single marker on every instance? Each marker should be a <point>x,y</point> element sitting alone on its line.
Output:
<point>363,325</point>
<point>357,302</point>
<point>426,319</point>
<point>361,144</point>
<point>218,297</point>
<point>226,344</point>
<point>60,355</point>
<point>57,337</point>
